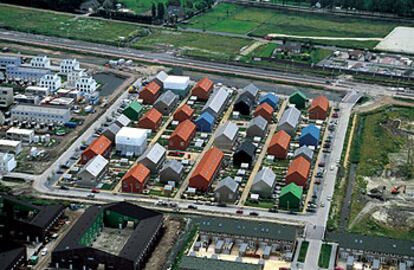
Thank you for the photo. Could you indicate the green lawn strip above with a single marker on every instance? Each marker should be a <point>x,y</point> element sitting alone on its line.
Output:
<point>267,204</point>
<point>325,255</point>
<point>143,6</point>
<point>265,50</point>
<point>303,250</point>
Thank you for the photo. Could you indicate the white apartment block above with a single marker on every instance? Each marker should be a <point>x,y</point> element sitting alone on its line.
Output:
<point>7,162</point>
<point>45,114</point>
<point>6,97</point>
<point>74,76</point>
<point>40,62</point>
<point>51,81</point>
<point>37,91</point>
<point>86,85</point>
<point>20,134</point>
<point>69,65</point>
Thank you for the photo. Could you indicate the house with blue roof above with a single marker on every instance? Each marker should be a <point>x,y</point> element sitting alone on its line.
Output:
<point>310,136</point>
<point>205,122</point>
<point>270,99</point>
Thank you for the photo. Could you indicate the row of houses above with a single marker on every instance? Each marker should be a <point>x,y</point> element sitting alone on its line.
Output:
<point>318,109</point>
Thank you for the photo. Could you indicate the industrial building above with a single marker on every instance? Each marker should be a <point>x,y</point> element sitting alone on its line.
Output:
<point>243,105</point>
<point>203,89</point>
<point>113,236</point>
<point>6,60</point>
<point>310,136</point>
<point>12,255</point>
<point>20,134</point>
<point>150,93</point>
<point>183,113</point>
<point>6,97</point>
<point>264,183</point>
<point>181,138</point>
<point>14,147</point>
<point>244,154</point>
<point>257,127</point>
<point>100,146</point>
<point>270,99</point>
<point>21,220</point>
<point>153,157</point>
<point>171,171</point>
<point>45,114</point>
<point>133,111</point>
<point>166,103</point>
<point>289,121</point>
<point>135,179</point>
<point>152,120</point>
<point>177,84</point>
<point>279,145</point>
<point>226,191</point>
<point>265,111</point>
<point>290,197</point>
<point>131,141</point>
<point>207,169</point>
<point>93,171</point>
<point>319,108</point>
<point>298,172</point>
<point>216,104</point>
<point>205,122</point>
<point>226,136</point>
<point>299,99</point>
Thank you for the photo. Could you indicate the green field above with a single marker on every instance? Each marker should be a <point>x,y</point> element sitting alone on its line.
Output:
<point>143,6</point>
<point>48,23</point>
<point>325,256</point>
<point>303,250</point>
<point>194,44</point>
<point>259,22</point>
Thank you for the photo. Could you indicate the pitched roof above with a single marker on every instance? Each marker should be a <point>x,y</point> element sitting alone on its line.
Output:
<point>217,100</point>
<point>168,98</point>
<point>299,165</point>
<point>292,188</point>
<point>152,87</point>
<point>184,130</point>
<point>304,150</point>
<point>155,154</point>
<point>139,172</point>
<point>251,89</point>
<point>202,263</point>
<point>187,110</point>
<point>269,97</point>
<point>265,175</point>
<point>96,165</point>
<point>321,102</point>
<point>206,116</point>
<point>229,130</point>
<point>99,145</point>
<point>258,121</point>
<point>291,116</point>
<point>123,120</point>
<point>135,105</point>
<point>228,182</point>
<point>281,138</point>
<point>174,165</point>
<point>153,115</point>
<point>299,94</point>
<point>161,76</point>
<point>312,130</point>
<point>247,147</point>
<point>265,107</point>
<point>204,84</point>
<point>209,163</point>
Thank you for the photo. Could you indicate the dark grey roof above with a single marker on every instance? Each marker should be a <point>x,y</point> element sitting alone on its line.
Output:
<point>372,243</point>
<point>10,253</point>
<point>250,228</point>
<point>304,151</point>
<point>251,91</point>
<point>244,99</point>
<point>258,121</point>
<point>228,182</point>
<point>247,147</point>
<point>174,165</point>
<point>149,222</point>
<point>199,263</point>
<point>168,98</point>
<point>111,131</point>
<point>291,116</point>
<point>155,153</point>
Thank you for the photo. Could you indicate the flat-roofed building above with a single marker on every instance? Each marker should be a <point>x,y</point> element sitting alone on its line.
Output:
<point>48,114</point>
<point>11,146</point>
<point>20,134</point>
<point>6,97</point>
<point>7,162</point>
<point>25,73</point>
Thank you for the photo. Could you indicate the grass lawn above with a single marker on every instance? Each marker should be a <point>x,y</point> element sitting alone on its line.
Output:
<point>261,204</point>
<point>302,252</point>
<point>195,44</point>
<point>265,50</point>
<point>143,6</point>
<point>325,255</point>
<point>48,23</point>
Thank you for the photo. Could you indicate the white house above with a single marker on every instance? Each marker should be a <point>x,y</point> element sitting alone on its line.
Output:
<point>69,65</point>
<point>131,141</point>
<point>40,62</point>
<point>51,81</point>
<point>7,162</point>
<point>74,76</point>
<point>86,85</point>
<point>20,134</point>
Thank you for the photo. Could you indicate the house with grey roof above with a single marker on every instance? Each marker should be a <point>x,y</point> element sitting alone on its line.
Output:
<point>111,131</point>
<point>217,102</point>
<point>93,171</point>
<point>226,191</point>
<point>289,121</point>
<point>171,171</point>
<point>153,157</point>
<point>166,102</point>
<point>250,91</point>
<point>161,77</point>
<point>305,152</point>
<point>264,183</point>
<point>226,136</point>
<point>257,127</point>
<point>123,120</point>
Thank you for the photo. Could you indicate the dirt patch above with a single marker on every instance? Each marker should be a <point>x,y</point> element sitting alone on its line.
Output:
<point>159,256</point>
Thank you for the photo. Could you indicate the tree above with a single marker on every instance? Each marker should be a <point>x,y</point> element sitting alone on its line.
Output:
<point>161,11</point>
<point>153,10</point>
<point>108,5</point>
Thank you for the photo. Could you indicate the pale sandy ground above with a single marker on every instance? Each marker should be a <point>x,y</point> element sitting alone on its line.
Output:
<point>400,40</point>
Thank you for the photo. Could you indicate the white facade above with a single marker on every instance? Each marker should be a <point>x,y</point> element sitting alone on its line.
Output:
<point>68,65</point>
<point>6,97</point>
<point>40,113</point>
<point>10,146</point>
<point>74,76</point>
<point>40,62</point>
<point>7,162</point>
<point>20,134</point>
<point>51,81</point>
<point>86,85</point>
<point>37,91</point>
<point>176,82</point>
<point>131,141</point>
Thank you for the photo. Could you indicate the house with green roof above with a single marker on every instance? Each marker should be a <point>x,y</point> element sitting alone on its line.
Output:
<point>133,111</point>
<point>299,99</point>
<point>290,197</point>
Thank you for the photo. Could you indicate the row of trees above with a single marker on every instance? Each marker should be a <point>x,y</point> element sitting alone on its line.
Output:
<point>63,5</point>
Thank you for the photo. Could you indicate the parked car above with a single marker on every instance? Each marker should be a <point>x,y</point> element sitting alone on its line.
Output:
<point>239,211</point>
<point>191,206</point>
<point>254,214</point>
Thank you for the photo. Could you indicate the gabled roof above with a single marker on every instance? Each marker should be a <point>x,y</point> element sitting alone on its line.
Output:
<point>187,110</point>
<point>312,130</point>
<point>299,94</point>
<point>153,115</point>
<point>204,84</point>
<point>184,130</point>
<point>168,98</point>
<point>282,139</point>
<point>228,182</point>
<point>264,107</point>
<point>152,87</point>
<point>217,100</point>
<point>299,165</point>
<point>155,154</point>
<point>291,117</point>
<point>247,147</point>
<point>134,105</point>
<point>292,188</point>
<point>209,164</point>
<point>250,90</point>
<point>265,175</point>
<point>228,130</point>
<point>321,102</point>
<point>205,116</point>
<point>304,151</point>
<point>96,165</point>
<point>99,145</point>
<point>123,120</point>
<point>269,98</point>
<point>161,76</point>
<point>174,165</point>
<point>259,122</point>
<point>138,172</point>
